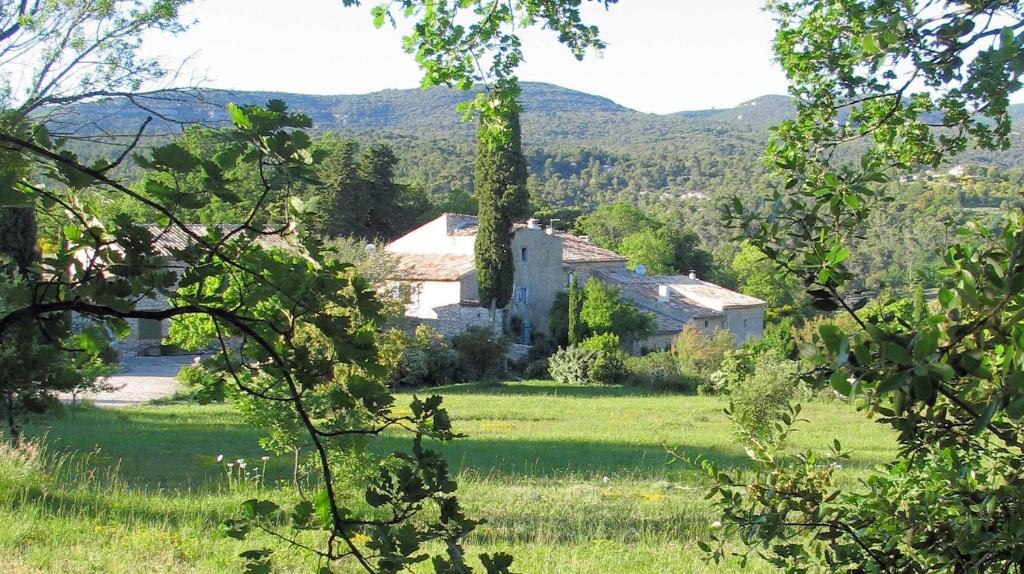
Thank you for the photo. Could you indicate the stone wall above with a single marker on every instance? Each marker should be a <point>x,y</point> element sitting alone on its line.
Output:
<point>745,323</point>
<point>133,343</point>
<point>540,272</point>
<point>452,320</point>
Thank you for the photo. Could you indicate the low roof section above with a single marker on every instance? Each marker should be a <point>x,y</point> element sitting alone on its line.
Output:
<point>687,298</point>
<point>577,250</point>
<point>168,239</point>
<point>432,266</point>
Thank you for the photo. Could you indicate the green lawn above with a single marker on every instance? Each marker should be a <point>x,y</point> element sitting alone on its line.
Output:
<point>139,489</point>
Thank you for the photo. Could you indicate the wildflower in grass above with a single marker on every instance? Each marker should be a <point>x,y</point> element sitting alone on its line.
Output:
<point>716,525</point>
<point>605,480</point>
<point>652,496</point>
<point>220,457</point>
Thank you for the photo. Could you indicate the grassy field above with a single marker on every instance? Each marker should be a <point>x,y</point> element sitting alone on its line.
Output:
<point>140,490</point>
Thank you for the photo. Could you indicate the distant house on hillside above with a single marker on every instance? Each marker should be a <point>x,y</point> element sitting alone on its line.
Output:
<point>436,278</point>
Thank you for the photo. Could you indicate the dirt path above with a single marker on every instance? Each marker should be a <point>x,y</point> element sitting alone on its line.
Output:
<point>142,379</point>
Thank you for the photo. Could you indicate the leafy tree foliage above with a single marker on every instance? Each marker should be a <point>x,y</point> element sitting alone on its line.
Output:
<point>18,238</point>
<point>303,327</point>
<point>306,325</point>
<point>758,277</point>
<point>52,54</point>
<point>663,246</point>
<point>652,249</point>
<point>603,311</point>
<point>912,84</point>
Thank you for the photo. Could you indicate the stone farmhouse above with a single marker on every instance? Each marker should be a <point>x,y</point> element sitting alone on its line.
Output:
<point>436,278</point>
<point>146,334</point>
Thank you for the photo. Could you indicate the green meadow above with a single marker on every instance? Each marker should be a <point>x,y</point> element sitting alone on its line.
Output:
<point>568,479</point>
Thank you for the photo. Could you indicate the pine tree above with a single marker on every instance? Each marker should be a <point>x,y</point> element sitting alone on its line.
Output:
<point>500,182</point>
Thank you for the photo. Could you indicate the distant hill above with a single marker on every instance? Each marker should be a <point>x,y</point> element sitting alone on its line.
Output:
<point>582,148</point>
<point>395,110</point>
<point>762,111</point>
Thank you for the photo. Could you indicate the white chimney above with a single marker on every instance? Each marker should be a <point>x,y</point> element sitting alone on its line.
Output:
<point>551,226</point>
<point>693,274</point>
<point>531,223</point>
<point>550,230</point>
<point>663,293</point>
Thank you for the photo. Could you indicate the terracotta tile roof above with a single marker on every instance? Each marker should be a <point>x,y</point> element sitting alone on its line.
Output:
<point>460,224</point>
<point>168,239</point>
<point>577,249</point>
<point>709,294</point>
<point>432,266</point>
<point>690,296</point>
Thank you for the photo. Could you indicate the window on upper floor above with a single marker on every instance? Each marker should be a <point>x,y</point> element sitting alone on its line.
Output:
<point>523,255</point>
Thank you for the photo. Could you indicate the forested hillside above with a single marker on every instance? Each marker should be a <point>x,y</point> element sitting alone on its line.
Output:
<point>585,150</point>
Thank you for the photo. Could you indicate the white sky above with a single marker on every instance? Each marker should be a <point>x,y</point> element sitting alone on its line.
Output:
<point>663,55</point>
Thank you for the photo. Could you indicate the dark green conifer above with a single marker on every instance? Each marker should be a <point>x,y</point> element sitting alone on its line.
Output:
<point>500,182</point>
<point>575,305</point>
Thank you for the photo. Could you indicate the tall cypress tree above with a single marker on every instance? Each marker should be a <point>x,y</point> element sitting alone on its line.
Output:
<point>575,306</point>
<point>500,183</point>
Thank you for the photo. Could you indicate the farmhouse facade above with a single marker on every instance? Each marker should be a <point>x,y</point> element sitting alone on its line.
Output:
<point>436,278</point>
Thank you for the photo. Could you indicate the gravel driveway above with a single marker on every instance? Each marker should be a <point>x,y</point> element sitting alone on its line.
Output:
<point>142,379</point>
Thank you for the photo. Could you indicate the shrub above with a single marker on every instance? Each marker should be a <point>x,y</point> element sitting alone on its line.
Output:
<point>536,369</point>
<point>697,352</point>
<point>736,366</point>
<point>778,339</point>
<point>759,401</point>
<point>658,371</point>
<point>608,358</point>
<point>481,352</point>
<point>201,384</point>
<point>572,365</point>
<point>427,360</point>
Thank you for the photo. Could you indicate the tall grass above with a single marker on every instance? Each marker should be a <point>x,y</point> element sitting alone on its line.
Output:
<point>568,479</point>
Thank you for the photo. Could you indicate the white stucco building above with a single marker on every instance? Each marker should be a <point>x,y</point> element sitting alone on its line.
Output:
<point>436,278</point>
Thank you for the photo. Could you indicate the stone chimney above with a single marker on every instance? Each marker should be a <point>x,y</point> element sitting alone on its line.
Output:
<point>551,226</point>
<point>693,274</point>
<point>531,223</point>
<point>663,293</point>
